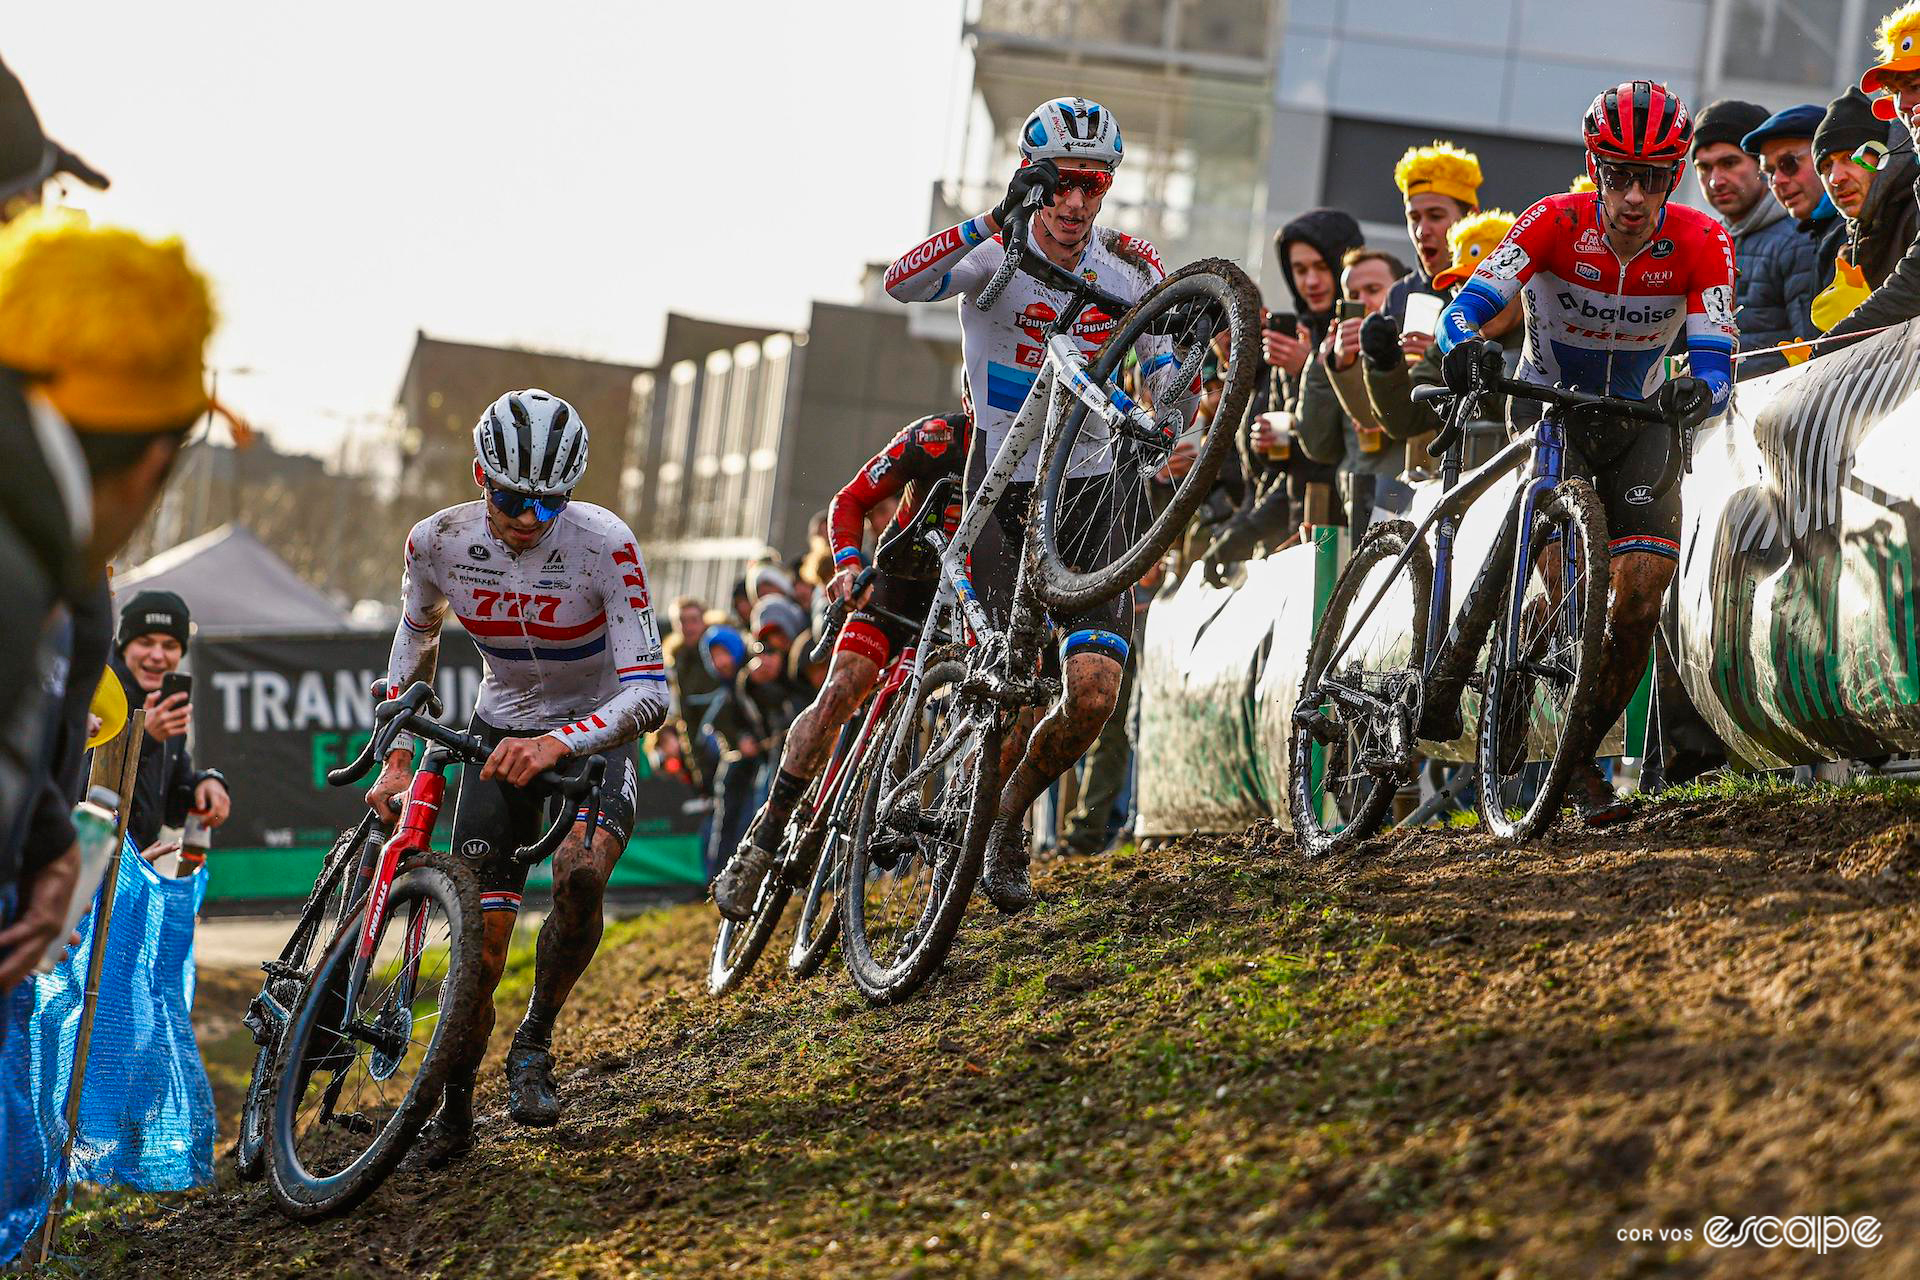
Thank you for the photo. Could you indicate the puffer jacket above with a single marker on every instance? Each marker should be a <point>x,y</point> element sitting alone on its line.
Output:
<point>1775,280</point>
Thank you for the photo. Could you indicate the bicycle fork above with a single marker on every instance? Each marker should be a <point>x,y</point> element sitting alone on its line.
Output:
<point>423,809</point>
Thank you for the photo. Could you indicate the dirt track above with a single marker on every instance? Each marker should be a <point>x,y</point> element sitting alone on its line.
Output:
<point>1439,1058</point>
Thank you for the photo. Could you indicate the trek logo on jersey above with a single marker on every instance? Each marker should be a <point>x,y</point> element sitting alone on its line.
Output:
<point>635,581</point>
<point>1625,313</point>
<point>1587,271</point>
<point>478,552</point>
<point>946,242</point>
<point>1506,262</point>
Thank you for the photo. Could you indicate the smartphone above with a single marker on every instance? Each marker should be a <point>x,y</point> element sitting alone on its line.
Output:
<point>1283,322</point>
<point>175,682</point>
<point>1350,309</point>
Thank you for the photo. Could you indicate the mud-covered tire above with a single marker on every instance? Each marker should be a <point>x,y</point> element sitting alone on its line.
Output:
<point>1367,804</point>
<point>1574,510</point>
<point>737,945</point>
<point>302,1194</point>
<point>1069,589</point>
<point>892,977</point>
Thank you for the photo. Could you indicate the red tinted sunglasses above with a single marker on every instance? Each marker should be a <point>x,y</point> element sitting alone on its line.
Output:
<point>1089,182</point>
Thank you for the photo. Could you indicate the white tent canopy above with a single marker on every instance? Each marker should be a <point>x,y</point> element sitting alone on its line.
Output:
<point>232,582</point>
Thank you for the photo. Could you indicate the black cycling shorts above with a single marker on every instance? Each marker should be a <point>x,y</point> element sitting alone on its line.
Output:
<point>1624,461</point>
<point>995,563</point>
<point>492,818</point>
<point>876,636</point>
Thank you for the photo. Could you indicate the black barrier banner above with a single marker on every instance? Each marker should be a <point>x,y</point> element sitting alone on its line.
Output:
<point>275,713</point>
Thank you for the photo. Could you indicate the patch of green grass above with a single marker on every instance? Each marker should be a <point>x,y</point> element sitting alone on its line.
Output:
<point>1777,789</point>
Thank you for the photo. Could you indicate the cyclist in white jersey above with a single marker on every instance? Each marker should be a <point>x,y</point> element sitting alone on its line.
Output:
<point>554,594</point>
<point>1070,148</point>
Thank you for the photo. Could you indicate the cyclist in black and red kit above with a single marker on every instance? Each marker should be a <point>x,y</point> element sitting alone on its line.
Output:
<point>921,454</point>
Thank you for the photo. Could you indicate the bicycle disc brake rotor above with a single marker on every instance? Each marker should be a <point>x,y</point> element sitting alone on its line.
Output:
<point>395,1021</point>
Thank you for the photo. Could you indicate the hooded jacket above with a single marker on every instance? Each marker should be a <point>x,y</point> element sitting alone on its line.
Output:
<point>1330,233</point>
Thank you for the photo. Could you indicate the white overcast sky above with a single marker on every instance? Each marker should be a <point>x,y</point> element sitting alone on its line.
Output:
<point>555,176</point>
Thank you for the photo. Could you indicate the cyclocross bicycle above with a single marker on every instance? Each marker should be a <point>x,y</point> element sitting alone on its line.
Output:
<point>1369,693</point>
<point>813,847</point>
<point>1095,524</point>
<point>354,1035</point>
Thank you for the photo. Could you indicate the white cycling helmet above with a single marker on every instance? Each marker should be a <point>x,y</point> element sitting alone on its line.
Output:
<point>531,442</point>
<point>1071,127</point>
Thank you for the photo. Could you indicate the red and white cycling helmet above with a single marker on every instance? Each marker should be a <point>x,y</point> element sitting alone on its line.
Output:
<point>1638,122</point>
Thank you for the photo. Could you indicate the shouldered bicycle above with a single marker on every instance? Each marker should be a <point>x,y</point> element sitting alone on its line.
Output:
<point>1097,518</point>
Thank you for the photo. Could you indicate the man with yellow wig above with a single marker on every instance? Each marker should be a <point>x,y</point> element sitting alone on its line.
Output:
<point>1439,185</point>
<point>1897,77</point>
<point>1390,383</point>
<point>102,334</point>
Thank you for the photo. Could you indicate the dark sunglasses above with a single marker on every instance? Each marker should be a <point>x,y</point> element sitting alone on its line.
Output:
<point>511,503</point>
<point>1788,165</point>
<point>1623,177</point>
<point>1090,182</point>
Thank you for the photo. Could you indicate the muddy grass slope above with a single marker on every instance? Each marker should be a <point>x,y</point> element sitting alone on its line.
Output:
<point>1437,1058</point>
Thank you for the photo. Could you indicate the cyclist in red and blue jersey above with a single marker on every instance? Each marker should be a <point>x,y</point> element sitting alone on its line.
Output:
<point>903,473</point>
<point>1610,279</point>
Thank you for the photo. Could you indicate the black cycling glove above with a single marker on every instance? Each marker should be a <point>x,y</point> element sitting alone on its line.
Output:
<point>1380,341</point>
<point>1687,402</point>
<point>1458,365</point>
<point>1044,174</point>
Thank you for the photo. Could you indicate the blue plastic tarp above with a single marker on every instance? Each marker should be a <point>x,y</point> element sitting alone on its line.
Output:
<point>146,1111</point>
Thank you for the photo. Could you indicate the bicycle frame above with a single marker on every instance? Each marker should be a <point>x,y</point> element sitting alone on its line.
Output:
<point>1545,447</point>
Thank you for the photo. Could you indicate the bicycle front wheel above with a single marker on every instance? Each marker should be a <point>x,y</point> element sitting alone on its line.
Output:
<point>1541,672</point>
<point>1110,504</point>
<point>1351,746</point>
<point>355,1083</point>
<point>916,849</point>
<point>319,922</point>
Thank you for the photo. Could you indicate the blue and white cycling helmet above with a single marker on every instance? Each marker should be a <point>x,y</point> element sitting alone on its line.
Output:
<point>1071,128</point>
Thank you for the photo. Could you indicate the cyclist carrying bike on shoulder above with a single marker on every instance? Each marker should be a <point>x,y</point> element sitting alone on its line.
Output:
<point>1069,149</point>
<point>1610,278</point>
<point>918,456</point>
<point>554,594</point>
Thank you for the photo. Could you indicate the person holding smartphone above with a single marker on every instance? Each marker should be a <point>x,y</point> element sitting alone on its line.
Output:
<point>1337,424</point>
<point>152,643</point>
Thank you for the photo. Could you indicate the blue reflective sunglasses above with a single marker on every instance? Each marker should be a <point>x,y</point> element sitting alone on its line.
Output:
<point>511,503</point>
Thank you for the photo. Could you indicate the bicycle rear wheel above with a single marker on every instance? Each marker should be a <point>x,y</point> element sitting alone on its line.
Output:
<point>337,883</point>
<point>1103,521</point>
<point>1351,745</point>
<point>916,851</point>
<point>1556,640</point>
<point>354,1085</point>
